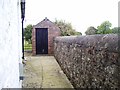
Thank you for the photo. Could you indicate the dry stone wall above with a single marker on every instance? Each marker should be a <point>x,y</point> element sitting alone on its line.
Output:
<point>90,61</point>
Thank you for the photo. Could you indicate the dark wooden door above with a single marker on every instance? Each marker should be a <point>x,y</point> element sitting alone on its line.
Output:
<point>41,41</point>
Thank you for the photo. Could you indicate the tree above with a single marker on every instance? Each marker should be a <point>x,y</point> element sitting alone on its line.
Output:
<point>66,28</point>
<point>91,30</point>
<point>104,28</point>
<point>28,33</point>
<point>78,33</point>
<point>116,30</point>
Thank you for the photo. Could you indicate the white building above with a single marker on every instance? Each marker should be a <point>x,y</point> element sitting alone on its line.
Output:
<point>10,43</point>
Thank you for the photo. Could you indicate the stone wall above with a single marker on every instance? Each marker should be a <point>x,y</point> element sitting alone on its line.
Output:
<point>90,61</point>
<point>10,43</point>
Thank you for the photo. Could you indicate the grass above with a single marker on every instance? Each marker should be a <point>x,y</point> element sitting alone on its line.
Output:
<point>27,46</point>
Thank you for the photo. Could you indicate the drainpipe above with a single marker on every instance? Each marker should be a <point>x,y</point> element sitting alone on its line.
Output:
<point>22,40</point>
<point>22,17</point>
<point>22,2</point>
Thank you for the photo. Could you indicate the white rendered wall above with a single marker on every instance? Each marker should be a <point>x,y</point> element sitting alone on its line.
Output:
<point>10,43</point>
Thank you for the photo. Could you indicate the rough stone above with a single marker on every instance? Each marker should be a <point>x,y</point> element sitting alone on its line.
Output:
<point>90,61</point>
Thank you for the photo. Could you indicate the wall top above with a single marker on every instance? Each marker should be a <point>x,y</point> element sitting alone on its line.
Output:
<point>105,41</point>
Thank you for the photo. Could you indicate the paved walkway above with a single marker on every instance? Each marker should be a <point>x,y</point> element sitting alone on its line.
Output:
<point>44,72</point>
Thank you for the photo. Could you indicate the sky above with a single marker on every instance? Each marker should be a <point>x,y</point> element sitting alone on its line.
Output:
<point>80,13</point>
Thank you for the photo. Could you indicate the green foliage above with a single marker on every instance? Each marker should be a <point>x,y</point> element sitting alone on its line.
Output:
<point>66,28</point>
<point>28,33</point>
<point>27,46</point>
<point>104,28</point>
<point>91,30</point>
<point>78,33</point>
<point>116,30</point>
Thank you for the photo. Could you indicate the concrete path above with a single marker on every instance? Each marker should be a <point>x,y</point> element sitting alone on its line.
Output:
<point>44,72</point>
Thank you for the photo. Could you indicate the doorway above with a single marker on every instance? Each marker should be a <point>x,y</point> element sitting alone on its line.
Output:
<point>41,40</point>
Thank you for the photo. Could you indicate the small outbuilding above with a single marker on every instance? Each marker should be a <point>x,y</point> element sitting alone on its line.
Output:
<point>42,37</point>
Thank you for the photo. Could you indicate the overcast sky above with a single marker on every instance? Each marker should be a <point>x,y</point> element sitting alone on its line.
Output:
<point>80,13</point>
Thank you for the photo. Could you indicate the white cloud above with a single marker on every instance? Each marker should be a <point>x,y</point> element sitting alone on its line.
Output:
<point>81,13</point>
